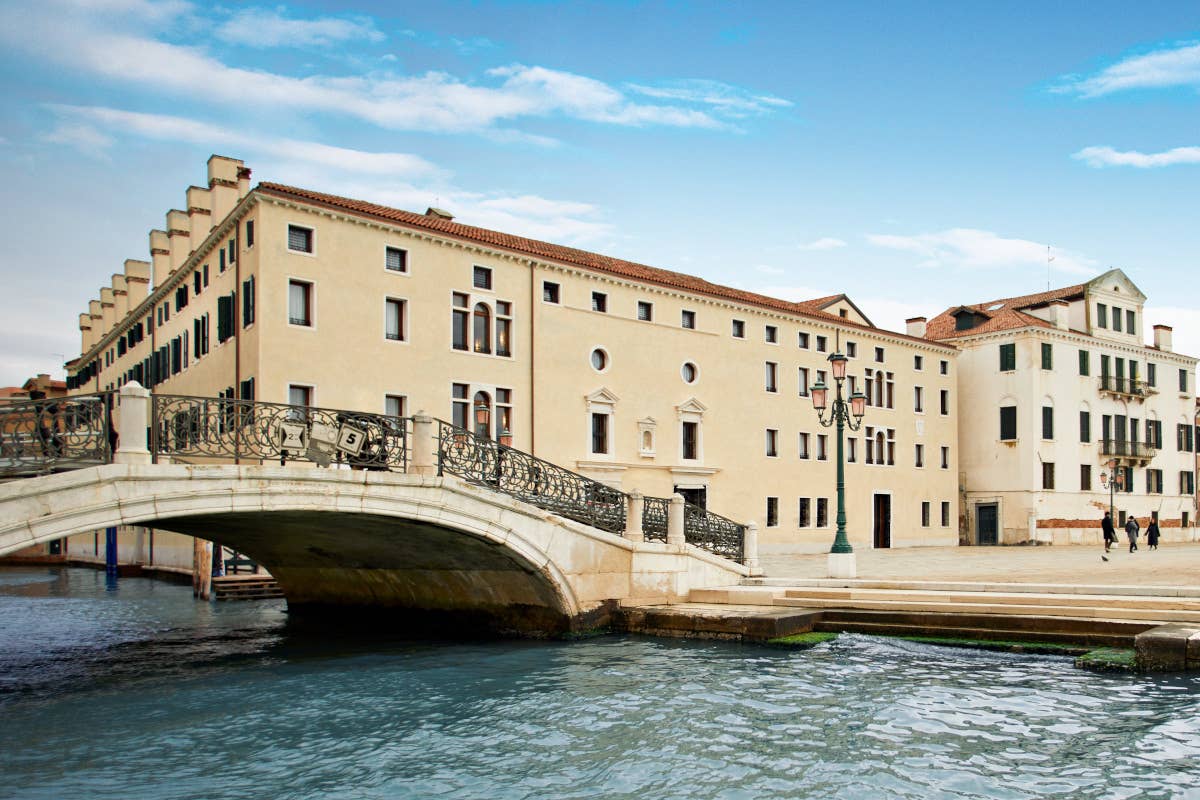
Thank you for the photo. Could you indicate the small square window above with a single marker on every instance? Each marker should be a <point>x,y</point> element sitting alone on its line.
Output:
<point>918,363</point>
<point>803,340</point>
<point>944,367</point>
<point>300,240</point>
<point>396,259</point>
<point>549,292</point>
<point>688,319</point>
<point>645,311</point>
<point>771,334</point>
<point>482,278</point>
<point>599,302</point>
<point>739,329</point>
<point>394,405</point>
<point>821,344</point>
<point>851,350</point>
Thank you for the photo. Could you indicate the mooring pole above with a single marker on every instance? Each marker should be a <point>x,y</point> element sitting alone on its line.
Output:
<point>110,555</point>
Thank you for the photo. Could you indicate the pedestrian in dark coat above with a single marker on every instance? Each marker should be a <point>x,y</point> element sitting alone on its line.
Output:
<point>1131,530</point>
<point>1110,534</point>
<point>1152,534</point>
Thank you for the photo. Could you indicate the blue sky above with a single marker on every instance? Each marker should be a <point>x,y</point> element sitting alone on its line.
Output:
<point>913,155</point>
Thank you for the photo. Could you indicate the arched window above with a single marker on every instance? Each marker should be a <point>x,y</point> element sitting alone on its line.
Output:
<point>483,324</point>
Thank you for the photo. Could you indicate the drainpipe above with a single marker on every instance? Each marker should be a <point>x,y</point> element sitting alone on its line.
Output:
<point>532,355</point>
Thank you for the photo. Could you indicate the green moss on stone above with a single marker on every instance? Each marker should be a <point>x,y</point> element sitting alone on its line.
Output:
<point>1108,659</point>
<point>802,640</point>
<point>1010,646</point>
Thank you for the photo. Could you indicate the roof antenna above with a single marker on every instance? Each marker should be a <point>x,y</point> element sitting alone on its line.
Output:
<point>1049,258</point>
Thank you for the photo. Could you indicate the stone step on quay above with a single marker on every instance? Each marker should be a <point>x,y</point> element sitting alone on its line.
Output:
<point>997,609</point>
<point>984,634</point>
<point>1013,626</point>
<point>968,586</point>
<point>751,623</point>
<point>1003,598</point>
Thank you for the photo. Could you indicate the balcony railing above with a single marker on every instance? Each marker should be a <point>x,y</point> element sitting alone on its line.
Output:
<point>1123,449</point>
<point>1129,387</point>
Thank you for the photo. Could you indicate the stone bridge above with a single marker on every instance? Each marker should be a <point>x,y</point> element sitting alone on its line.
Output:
<point>418,545</point>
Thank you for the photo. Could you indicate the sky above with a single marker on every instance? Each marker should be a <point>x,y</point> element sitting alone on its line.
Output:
<point>914,155</point>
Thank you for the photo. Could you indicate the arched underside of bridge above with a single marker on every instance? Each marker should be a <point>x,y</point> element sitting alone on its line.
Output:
<point>407,573</point>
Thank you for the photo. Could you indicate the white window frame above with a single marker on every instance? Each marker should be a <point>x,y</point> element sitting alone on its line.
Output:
<point>312,303</point>
<point>406,272</point>
<point>312,240</point>
<point>403,301</point>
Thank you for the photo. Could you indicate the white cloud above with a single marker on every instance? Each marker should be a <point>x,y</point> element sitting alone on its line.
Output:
<point>732,100</point>
<point>1108,157</point>
<point>263,27</point>
<point>824,243</point>
<point>767,269</point>
<point>81,136</point>
<point>976,249</point>
<point>1177,65</point>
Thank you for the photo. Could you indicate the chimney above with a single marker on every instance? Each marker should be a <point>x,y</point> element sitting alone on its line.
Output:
<point>85,333</point>
<point>224,181</point>
<point>439,213</point>
<point>199,209</point>
<point>160,257</point>
<point>915,327</point>
<point>120,297</point>
<point>108,311</point>
<point>179,238</point>
<point>96,313</point>
<point>1162,338</point>
<point>1058,313</point>
<point>243,179</point>
<point>137,281</point>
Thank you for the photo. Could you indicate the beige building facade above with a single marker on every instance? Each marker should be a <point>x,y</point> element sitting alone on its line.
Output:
<point>1058,393</point>
<point>639,377</point>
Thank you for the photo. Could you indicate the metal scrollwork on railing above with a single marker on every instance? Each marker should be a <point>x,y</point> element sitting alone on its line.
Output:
<point>55,434</point>
<point>713,533</point>
<point>223,428</point>
<point>481,461</point>
<point>654,518</point>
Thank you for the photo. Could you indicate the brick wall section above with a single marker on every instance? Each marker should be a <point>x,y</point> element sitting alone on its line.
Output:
<point>1095,523</point>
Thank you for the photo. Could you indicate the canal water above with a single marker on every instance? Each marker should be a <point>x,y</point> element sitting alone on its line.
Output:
<point>141,692</point>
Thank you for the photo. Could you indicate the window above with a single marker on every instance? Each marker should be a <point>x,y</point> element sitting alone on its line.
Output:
<point>803,340</point>
<point>1187,482</point>
<point>945,515</point>
<point>1085,363</point>
<point>1101,315</point>
<point>772,442</point>
<point>1008,423</point>
<point>925,514</point>
<point>549,292</point>
<point>459,320</point>
<point>481,277</point>
<point>599,360</point>
<point>600,302</point>
<point>770,370</point>
<point>481,332</point>
<point>822,512</point>
<point>919,399</point>
<point>300,240</point>
<point>803,381</point>
<point>688,372</point>
<point>739,329</point>
<point>1116,319</point>
<point>771,334</point>
<point>206,275</point>
<point>248,302</point>
<point>772,512</point>
<point>1184,437</point>
<point>503,328</point>
<point>1130,320</point>
<point>300,303</point>
<point>225,316</point>
<point>1085,426</point>
<point>232,251</point>
<point>200,336</point>
<point>249,233</point>
<point>395,259</point>
<point>1151,374</point>
<point>181,298</point>
<point>918,361</point>
<point>1047,475</point>
<point>804,445</point>
<point>851,451</point>
<point>687,319</point>
<point>944,367</point>
<point>1008,357</point>
<point>196,278</point>
<point>645,311</point>
<point>691,440</point>
<point>599,434</point>
<point>1154,481</point>
<point>1047,355</point>
<point>460,407</point>
<point>851,350</point>
<point>944,402</point>
<point>221,259</point>
<point>394,405</point>
<point>1183,381</point>
<point>1085,477</point>
<point>504,418</point>
<point>822,447</point>
<point>300,395</point>
<point>805,518</point>
<point>394,319</point>
<point>919,457</point>
<point>822,343</point>
<point>1047,422</point>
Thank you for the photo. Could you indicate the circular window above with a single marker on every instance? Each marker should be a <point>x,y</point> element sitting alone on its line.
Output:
<point>599,360</point>
<point>689,372</point>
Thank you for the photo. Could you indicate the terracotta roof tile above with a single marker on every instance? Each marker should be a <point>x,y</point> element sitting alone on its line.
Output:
<point>568,255</point>
<point>1003,314</point>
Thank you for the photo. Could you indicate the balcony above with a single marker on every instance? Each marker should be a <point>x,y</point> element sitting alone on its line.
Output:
<point>1126,387</point>
<point>1134,451</point>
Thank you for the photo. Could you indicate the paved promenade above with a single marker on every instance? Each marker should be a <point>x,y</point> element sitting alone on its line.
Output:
<point>1172,565</point>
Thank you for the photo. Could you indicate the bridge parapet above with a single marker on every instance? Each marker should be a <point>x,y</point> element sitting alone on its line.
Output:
<point>55,434</point>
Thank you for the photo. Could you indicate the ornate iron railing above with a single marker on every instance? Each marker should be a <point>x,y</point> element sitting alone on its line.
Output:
<point>713,533</point>
<point>479,460</point>
<point>1117,447</point>
<point>1129,387</point>
<point>56,434</point>
<point>654,518</point>
<point>224,428</point>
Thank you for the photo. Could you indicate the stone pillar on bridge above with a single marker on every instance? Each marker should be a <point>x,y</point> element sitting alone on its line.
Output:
<point>675,521</point>
<point>422,457</point>
<point>750,549</point>
<point>633,516</point>
<point>135,423</point>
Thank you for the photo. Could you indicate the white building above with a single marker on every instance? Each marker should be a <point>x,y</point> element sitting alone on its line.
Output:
<point>1057,392</point>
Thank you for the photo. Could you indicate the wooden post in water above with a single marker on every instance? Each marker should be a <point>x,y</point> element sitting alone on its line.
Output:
<point>201,568</point>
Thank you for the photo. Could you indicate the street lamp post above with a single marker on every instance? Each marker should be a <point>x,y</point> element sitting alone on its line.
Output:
<point>842,414</point>
<point>1115,481</point>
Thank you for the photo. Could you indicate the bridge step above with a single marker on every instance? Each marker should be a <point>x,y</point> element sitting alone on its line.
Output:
<point>238,588</point>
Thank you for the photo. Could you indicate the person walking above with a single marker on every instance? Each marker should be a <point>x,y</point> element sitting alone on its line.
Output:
<point>1110,534</point>
<point>1152,533</point>
<point>1131,530</point>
